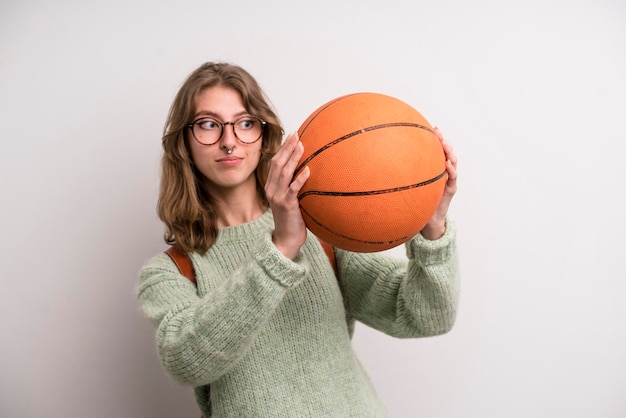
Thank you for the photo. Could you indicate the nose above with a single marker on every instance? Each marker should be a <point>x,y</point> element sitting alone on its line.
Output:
<point>228,139</point>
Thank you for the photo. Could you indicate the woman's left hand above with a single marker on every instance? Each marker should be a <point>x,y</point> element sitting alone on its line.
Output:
<point>436,226</point>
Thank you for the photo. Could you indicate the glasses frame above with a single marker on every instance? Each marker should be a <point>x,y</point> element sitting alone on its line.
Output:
<point>223,124</point>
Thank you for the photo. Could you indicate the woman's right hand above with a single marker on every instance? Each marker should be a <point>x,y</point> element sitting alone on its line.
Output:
<point>282,193</point>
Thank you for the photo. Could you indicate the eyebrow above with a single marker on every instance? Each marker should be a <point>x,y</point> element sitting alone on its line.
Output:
<point>216,116</point>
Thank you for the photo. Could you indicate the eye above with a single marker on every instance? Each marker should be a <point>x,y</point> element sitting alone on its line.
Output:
<point>208,124</point>
<point>246,123</point>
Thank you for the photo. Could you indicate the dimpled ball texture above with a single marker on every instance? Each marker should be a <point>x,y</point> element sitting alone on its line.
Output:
<point>377,172</point>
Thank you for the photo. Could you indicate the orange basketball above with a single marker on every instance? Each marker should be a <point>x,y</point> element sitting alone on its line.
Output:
<point>377,172</point>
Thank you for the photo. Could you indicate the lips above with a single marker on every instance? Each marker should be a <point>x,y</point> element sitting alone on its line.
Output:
<point>230,160</point>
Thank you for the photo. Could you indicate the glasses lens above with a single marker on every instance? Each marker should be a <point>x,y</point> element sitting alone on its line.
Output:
<point>248,129</point>
<point>207,131</point>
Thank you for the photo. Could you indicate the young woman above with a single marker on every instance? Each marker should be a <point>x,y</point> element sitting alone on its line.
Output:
<point>267,331</point>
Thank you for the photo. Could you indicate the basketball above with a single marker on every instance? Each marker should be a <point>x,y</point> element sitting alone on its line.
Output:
<point>378,172</point>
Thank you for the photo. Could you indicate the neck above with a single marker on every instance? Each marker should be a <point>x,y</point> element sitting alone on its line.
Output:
<point>236,207</point>
<point>233,214</point>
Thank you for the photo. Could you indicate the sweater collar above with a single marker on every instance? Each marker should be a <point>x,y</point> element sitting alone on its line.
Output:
<point>244,232</point>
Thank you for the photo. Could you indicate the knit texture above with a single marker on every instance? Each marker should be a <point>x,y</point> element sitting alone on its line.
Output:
<point>272,336</point>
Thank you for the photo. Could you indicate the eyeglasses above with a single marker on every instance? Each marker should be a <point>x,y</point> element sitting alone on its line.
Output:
<point>247,129</point>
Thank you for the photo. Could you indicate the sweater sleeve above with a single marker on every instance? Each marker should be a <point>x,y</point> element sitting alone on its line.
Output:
<point>405,299</point>
<point>199,339</point>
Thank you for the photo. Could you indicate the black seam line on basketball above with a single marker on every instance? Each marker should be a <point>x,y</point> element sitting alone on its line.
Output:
<point>397,240</point>
<point>372,192</point>
<point>360,131</point>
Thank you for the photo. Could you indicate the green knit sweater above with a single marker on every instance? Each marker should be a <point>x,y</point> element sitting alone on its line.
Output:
<point>272,336</point>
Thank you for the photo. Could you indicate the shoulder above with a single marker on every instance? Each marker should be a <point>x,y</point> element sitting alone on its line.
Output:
<point>157,268</point>
<point>159,261</point>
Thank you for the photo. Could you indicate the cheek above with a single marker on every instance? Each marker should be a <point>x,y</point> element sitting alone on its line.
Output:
<point>192,149</point>
<point>257,154</point>
<point>257,157</point>
<point>199,153</point>
<point>201,158</point>
<point>195,156</point>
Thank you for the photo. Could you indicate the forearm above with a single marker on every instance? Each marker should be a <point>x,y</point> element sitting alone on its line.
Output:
<point>430,296</point>
<point>200,342</point>
<point>199,339</point>
<point>413,299</point>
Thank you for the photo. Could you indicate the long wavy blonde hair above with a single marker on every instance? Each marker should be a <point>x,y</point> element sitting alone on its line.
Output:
<point>185,204</point>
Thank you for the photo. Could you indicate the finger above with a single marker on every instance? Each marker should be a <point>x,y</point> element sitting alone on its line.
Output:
<point>438,133</point>
<point>290,155</point>
<point>284,168</point>
<point>284,152</point>
<point>294,159</point>
<point>451,163</point>
<point>452,173</point>
<point>300,179</point>
<point>281,157</point>
<point>447,147</point>
<point>449,153</point>
<point>289,145</point>
<point>450,187</point>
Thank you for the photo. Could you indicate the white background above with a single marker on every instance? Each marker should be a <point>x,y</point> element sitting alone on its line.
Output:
<point>531,93</point>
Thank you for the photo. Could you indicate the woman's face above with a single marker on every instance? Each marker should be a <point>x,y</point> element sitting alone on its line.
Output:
<point>225,172</point>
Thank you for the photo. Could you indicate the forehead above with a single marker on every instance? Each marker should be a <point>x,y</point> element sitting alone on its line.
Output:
<point>220,101</point>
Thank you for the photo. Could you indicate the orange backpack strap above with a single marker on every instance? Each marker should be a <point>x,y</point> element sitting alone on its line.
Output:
<point>182,261</point>
<point>330,253</point>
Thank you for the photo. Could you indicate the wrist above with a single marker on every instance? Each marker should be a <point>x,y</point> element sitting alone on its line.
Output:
<point>434,230</point>
<point>289,250</point>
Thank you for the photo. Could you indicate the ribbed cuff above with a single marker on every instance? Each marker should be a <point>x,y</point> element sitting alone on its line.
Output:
<point>428,252</point>
<point>278,267</point>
